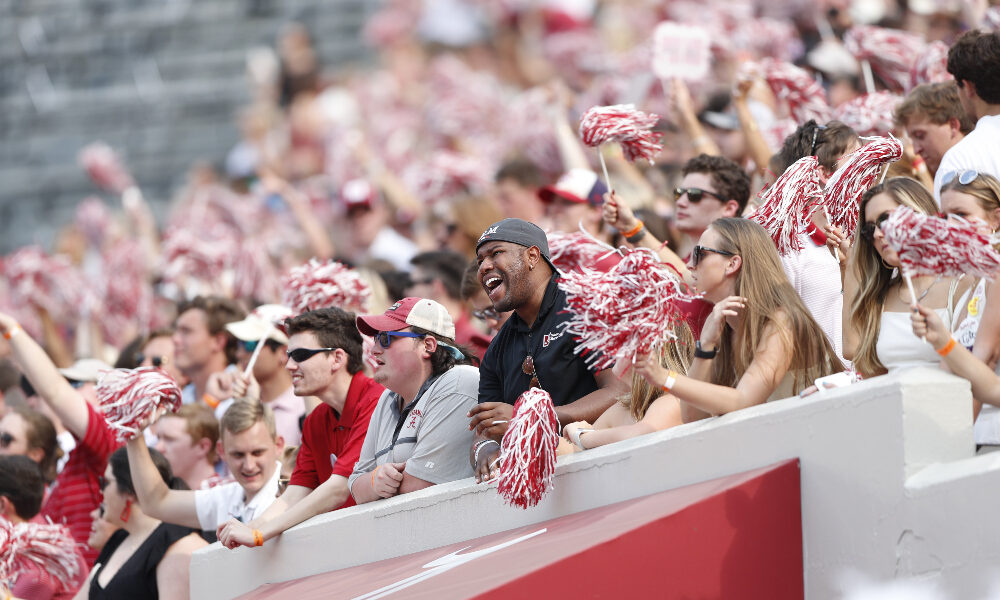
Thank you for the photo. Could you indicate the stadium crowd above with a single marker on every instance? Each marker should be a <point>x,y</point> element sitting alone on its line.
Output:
<point>449,183</point>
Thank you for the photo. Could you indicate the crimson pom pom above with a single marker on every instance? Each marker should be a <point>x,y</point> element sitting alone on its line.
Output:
<point>127,298</point>
<point>930,245</point>
<point>870,114</point>
<point>51,547</point>
<point>105,168</point>
<point>50,282</point>
<point>624,124</point>
<point>859,172</point>
<point>576,251</point>
<point>93,219</point>
<point>630,309</point>
<point>804,96</point>
<point>202,255</point>
<point>316,285</point>
<point>528,451</point>
<point>890,52</point>
<point>130,396</point>
<point>787,205</point>
<point>931,66</point>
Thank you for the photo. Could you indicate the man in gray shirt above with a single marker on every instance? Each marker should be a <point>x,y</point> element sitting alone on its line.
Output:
<point>419,434</point>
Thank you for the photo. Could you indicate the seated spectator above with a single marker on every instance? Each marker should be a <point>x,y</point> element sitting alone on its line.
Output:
<point>427,392</point>
<point>934,120</point>
<point>158,350</point>
<point>155,562</point>
<point>877,336</point>
<point>645,410</point>
<point>76,491</point>
<point>759,343</point>
<point>575,201</point>
<point>29,433</point>
<point>100,529</point>
<point>202,345</point>
<point>531,349</point>
<point>324,358</point>
<point>187,438</point>
<point>250,447</point>
<point>438,276</point>
<point>21,490</point>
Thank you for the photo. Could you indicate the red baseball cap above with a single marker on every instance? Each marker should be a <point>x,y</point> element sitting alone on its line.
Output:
<point>410,312</point>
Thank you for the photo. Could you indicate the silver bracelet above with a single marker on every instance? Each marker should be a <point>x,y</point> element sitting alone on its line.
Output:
<point>479,446</point>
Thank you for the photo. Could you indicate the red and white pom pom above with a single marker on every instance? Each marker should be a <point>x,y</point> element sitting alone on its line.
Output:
<point>804,96</point>
<point>49,546</point>
<point>931,66</point>
<point>198,254</point>
<point>51,282</point>
<point>787,206</point>
<point>624,124</point>
<point>528,451</point>
<point>870,114</point>
<point>129,397</point>
<point>105,168</point>
<point>890,52</point>
<point>576,251</point>
<point>126,295</point>
<point>861,170</point>
<point>930,245</point>
<point>93,219</point>
<point>316,285</point>
<point>628,310</point>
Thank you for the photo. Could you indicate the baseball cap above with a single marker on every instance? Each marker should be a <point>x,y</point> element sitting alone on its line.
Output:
<point>520,232</point>
<point>576,185</point>
<point>86,370</point>
<point>266,319</point>
<point>357,193</point>
<point>410,312</point>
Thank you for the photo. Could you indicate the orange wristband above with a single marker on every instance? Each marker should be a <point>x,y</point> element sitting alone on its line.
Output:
<point>634,230</point>
<point>947,347</point>
<point>210,400</point>
<point>373,476</point>
<point>14,331</point>
<point>258,538</point>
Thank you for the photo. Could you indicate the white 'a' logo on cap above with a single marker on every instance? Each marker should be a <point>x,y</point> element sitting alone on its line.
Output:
<point>489,232</point>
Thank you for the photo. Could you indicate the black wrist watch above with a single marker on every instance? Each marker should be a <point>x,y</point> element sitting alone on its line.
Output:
<point>699,353</point>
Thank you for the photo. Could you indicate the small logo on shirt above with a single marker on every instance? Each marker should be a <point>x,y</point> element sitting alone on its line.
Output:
<point>429,465</point>
<point>416,414</point>
<point>551,337</point>
<point>333,461</point>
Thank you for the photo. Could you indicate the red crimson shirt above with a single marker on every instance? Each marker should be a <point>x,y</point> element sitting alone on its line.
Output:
<point>331,443</point>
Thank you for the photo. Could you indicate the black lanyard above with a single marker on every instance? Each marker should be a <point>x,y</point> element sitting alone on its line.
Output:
<point>409,407</point>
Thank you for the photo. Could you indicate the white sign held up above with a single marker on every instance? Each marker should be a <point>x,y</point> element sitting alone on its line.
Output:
<point>680,51</point>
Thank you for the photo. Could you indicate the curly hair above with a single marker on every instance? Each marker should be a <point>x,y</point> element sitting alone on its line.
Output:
<point>730,181</point>
<point>975,57</point>
<point>334,328</point>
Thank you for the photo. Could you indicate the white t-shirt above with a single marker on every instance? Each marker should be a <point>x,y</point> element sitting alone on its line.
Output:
<point>815,275</point>
<point>217,505</point>
<point>979,151</point>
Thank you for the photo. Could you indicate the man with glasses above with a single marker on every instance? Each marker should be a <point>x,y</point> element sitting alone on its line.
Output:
<point>325,360</point>
<point>250,446</point>
<point>974,62</point>
<point>532,348</point>
<point>419,434</point>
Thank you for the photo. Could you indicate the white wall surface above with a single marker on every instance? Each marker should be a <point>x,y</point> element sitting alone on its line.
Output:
<point>857,448</point>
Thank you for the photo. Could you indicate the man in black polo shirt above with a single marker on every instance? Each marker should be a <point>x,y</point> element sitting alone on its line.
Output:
<point>531,349</point>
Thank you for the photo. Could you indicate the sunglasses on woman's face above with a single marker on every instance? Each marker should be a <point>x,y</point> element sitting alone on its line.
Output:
<point>699,253</point>
<point>694,194</point>
<point>868,229</point>
<point>156,361</point>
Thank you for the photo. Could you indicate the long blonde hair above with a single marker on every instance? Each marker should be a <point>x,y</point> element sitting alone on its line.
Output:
<point>874,276</point>
<point>762,281</point>
<point>675,355</point>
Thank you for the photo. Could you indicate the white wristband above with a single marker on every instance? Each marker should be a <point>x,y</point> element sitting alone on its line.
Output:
<point>577,434</point>
<point>670,382</point>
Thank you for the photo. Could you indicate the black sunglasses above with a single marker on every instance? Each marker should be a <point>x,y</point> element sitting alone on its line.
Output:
<point>6,439</point>
<point>102,482</point>
<point>301,355</point>
<point>695,194</point>
<point>868,229</point>
<point>156,361</point>
<point>699,253</point>
<point>486,313</point>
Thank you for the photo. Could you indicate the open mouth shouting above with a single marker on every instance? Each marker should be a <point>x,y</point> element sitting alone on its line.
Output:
<point>494,285</point>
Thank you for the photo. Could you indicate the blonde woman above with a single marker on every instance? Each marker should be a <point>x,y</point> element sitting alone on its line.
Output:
<point>877,332</point>
<point>646,409</point>
<point>759,343</point>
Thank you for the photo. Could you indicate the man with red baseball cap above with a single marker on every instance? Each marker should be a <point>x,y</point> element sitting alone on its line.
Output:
<point>418,435</point>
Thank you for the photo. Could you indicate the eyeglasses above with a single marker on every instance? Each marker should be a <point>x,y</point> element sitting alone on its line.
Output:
<point>100,510</point>
<point>528,368</point>
<point>156,361</point>
<point>6,439</point>
<point>384,338</point>
<point>694,194</point>
<point>102,482</point>
<point>868,229</point>
<point>699,253</point>
<point>965,177</point>
<point>248,346</point>
<point>812,149</point>
<point>486,313</point>
<point>301,355</point>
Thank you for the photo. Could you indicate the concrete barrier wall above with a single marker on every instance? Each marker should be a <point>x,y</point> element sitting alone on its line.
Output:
<point>857,447</point>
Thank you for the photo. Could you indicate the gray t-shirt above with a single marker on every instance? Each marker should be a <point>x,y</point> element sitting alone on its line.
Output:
<point>434,439</point>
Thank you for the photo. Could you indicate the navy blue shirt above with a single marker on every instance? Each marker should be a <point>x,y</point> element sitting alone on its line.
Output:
<point>561,373</point>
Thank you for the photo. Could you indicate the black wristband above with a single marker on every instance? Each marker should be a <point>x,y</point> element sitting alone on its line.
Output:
<point>635,239</point>
<point>699,353</point>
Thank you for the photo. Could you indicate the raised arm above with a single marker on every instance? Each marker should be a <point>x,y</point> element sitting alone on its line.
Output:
<point>158,500</point>
<point>756,144</point>
<point>66,403</point>
<point>317,238</point>
<point>619,215</point>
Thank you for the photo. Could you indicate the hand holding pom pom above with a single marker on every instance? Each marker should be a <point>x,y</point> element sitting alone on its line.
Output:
<point>131,398</point>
